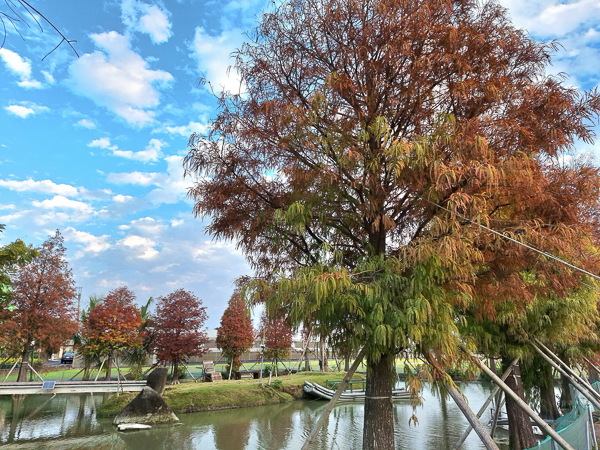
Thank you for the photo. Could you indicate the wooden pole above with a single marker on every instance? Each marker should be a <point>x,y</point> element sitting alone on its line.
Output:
<point>524,406</point>
<point>486,439</point>
<point>100,369</point>
<point>584,390</point>
<point>591,364</point>
<point>334,399</point>
<point>499,406</point>
<point>485,405</point>
<point>11,369</point>
<point>567,369</point>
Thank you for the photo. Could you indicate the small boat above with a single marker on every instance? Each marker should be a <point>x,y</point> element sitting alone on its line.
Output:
<point>320,392</point>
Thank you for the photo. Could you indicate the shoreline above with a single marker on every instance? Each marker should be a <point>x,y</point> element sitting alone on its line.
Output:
<point>228,394</point>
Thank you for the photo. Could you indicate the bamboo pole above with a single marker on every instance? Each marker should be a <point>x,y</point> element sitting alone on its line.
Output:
<point>584,390</point>
<point>334,399</point>
<point>486,439</point>
<point>485,405</point>
<point>35,371</point>
<point>567,369</point>
<point>524,406</point>
<point>100,369</point>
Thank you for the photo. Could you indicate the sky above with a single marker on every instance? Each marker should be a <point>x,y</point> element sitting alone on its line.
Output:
<point>93,145</point>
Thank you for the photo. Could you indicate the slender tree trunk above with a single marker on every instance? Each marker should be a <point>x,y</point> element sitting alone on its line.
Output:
<point>108,367</point>
<point>519,424</point>
<point>346,362</point>
<point>548,406</point>
<point>325,363</point>
<point>378,431</point>
<point>566,397</point>
<point>306,361</point>
<point>175,372</point>
<point>23,370</point>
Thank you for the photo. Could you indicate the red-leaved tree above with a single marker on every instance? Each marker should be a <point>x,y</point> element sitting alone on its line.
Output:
<point>277,338</point>
<point>43,313</point>
<point>177,333</point>
<point>235,335</point>
<point>112,325</point>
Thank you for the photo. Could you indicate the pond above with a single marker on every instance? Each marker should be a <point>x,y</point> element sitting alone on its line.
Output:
<point>69,422</point>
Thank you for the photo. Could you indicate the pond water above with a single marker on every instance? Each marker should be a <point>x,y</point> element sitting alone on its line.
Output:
<point>69,422</point>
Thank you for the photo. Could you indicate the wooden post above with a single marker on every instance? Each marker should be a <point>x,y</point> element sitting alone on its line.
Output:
<point>486,439</point>
<point>584,391</point>
<point>334,399</point>
<point>485,405</point>
<point>524,406</point>
<point>100,369</point>
<point>499,406</point>
<point>12,368</point>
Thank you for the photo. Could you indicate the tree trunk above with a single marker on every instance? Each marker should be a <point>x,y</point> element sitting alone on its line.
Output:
<point>548,406</point>
<point>346,362</point>
<point>306,360</point>
<point>519,424</point>
<point>23,370</point>
<point>593,375</point>
<point>175,372</point>
<point>566,398</point>
<point>325,363</point>
<point>378,431</point>
<point>108,367</point>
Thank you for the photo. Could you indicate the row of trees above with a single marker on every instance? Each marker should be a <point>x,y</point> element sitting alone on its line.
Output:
<point>398,174</point>
<point>37,311</point>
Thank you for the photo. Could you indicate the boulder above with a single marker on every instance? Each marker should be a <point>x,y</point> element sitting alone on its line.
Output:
<point>148,407</point>
<point>158,379</point>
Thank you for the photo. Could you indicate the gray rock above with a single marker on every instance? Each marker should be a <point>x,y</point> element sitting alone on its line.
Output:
<point>158,379</point>
<point>148,407</point>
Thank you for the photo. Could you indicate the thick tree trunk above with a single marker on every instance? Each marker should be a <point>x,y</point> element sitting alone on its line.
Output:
<point>306,361</point>
<point>519,424</point>
<point>566,397</point>
<point>378,431</point>
<point>548,406</point>
<point>108,367</point>
<point>24,369</point>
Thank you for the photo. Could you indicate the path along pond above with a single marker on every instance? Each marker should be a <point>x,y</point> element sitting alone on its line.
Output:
<point>69,422</point>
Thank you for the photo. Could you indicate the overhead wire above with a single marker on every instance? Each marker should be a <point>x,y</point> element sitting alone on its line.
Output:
<point>541,252</point>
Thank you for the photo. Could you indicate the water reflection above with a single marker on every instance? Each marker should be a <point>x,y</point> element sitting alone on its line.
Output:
<point>70,422</point>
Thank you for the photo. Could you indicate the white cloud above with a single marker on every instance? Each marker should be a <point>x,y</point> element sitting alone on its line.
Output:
<point>19,67</point>
<point>122,198</point>
<point>183,130</point>
<point>138,178</point>
<point>94,244</point>
<point>26,109</point>
<point>213,56</point>
<point>171,187</point>
<point>62,202</point>
<point>48,76</point>
<point>152,20</point>
<point>118,79</point>
<point>143,247</point>
<point>44,186</point>
<point>86,123</point>
<point>151,153</point>
<point>103,142</point>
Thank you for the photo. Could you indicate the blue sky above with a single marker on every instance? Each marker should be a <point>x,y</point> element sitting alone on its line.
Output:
<point>93,145</point>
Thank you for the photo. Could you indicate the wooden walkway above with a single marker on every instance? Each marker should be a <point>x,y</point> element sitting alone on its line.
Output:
<point>70,387</point>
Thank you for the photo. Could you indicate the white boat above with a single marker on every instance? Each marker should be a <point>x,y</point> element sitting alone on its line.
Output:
<point>320,392</point>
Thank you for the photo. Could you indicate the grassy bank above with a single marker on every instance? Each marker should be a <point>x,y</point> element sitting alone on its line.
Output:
<point>194,397</point>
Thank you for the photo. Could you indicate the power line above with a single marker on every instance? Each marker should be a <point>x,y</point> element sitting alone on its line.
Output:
<point>548,255</point>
